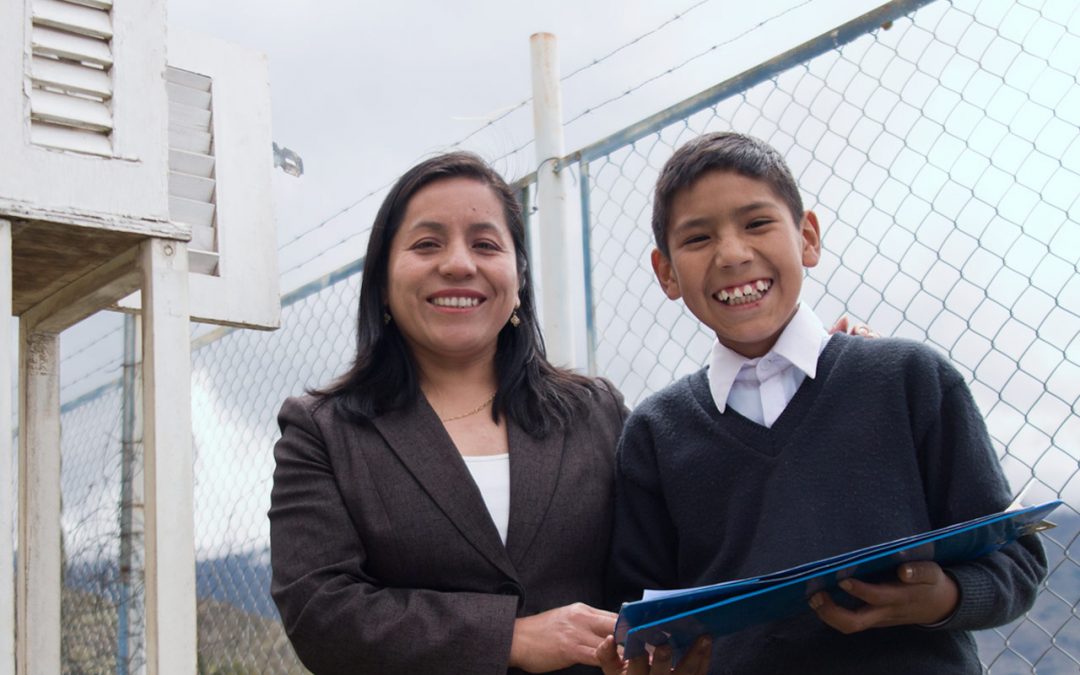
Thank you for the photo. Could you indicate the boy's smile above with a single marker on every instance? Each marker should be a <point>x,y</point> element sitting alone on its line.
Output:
<point>737,258</point>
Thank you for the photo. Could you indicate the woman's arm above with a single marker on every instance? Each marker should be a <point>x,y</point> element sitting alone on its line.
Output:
<point>339,618</point>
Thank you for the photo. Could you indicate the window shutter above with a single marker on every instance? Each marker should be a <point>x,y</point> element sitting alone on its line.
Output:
<point>70,75</point>
<point>191,164</point>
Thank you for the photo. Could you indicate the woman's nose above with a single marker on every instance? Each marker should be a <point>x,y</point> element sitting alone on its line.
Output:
<point>457,261</point>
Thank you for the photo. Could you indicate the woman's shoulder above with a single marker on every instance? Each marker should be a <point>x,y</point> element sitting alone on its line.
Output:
<point>601,402</point>
<point>309,411</point>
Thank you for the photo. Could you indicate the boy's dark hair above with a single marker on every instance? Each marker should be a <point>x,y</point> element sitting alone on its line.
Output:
<point>721,151</point>
<point>535,394</point>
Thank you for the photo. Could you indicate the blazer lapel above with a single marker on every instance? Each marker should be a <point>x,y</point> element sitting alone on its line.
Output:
<point>534,473</point>
<point>419,439</point>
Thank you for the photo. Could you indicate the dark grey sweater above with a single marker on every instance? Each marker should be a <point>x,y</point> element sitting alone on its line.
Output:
<point>885,442</point>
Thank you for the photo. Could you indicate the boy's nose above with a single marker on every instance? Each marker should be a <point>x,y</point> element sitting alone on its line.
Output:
<point>732,251</point>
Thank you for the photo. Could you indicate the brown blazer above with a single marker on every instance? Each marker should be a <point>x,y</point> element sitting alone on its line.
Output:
<point>385,559</point>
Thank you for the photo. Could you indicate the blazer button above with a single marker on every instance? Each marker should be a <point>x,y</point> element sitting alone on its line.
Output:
<point>509,588</point>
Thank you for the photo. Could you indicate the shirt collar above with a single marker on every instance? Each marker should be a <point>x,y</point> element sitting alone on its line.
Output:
<point>800,344</point>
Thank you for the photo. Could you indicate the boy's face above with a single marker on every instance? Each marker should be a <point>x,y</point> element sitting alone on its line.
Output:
<point>737,258</point>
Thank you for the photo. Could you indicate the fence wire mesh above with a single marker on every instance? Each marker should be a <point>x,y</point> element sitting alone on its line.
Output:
<point>941,153</point>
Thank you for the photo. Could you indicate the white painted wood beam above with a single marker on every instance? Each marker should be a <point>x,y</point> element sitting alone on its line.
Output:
<point>19,210</point>
<point>39,562</point>
<point>86,295</point>
<point>7,485</point>
<point>171,641</point>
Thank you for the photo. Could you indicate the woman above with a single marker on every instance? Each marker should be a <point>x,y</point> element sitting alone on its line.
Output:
<point>445,506</point>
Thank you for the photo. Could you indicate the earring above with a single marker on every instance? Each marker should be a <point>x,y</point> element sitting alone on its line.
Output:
<point>386,318</point>
<point>515,320</point>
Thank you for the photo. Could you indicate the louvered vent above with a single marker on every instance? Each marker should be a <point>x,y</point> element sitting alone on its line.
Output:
<point>70,75</point>
<point>191,165</point>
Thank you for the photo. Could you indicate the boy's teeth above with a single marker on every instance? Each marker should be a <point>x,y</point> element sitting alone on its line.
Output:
<point>739,295</point>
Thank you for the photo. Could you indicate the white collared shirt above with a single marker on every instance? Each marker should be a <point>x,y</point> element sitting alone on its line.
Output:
<point>760,388</point>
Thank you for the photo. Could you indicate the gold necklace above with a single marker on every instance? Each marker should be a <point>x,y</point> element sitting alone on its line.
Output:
<point>471,412</point>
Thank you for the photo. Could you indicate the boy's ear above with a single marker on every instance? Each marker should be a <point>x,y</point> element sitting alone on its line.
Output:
<point>665,274</point>
<point>811,239</point>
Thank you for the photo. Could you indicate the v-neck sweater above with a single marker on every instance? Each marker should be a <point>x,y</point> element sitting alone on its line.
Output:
<point>884,443</point>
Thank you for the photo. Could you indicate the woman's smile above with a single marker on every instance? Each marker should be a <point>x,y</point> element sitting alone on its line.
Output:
<point>452,270</point>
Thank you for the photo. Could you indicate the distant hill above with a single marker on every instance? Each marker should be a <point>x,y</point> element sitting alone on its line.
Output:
<point>242,581</point>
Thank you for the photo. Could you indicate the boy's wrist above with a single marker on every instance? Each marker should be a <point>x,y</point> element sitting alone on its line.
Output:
<point>955,605</point>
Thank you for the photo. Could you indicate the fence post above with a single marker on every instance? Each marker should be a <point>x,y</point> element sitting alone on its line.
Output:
<point>7,503</point>
<point>560,268</point>
<point>129,614</point>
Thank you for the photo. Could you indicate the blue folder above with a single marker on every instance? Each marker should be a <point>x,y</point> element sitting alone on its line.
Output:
<point>679,617</point>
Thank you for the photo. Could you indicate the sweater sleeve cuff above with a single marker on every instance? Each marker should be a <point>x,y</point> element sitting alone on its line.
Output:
<point>976,601</point>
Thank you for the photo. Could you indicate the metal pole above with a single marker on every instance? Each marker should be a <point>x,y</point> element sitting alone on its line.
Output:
<point>7,503</point>
<point>561,326</point>
<point>129,650</point>
<point>586,250</point>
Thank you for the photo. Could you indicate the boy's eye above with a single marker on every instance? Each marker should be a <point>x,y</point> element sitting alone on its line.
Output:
<point>695,239</point>
<point>758,222</point>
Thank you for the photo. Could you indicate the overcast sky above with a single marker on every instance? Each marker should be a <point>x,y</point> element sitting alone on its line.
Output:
<point>362,90</point>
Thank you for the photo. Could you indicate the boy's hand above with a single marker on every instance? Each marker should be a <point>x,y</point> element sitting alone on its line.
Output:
<point>924,595</point>
<point>694,662</point>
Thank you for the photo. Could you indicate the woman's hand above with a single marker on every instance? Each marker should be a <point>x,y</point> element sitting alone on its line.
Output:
<point>694,662</point>
<point>924,595</point>
<point>559,638</point>
<point>843,325</point>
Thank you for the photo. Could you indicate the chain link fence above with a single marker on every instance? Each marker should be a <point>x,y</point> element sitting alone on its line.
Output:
<point>940,151</point>
<point>938,143</point>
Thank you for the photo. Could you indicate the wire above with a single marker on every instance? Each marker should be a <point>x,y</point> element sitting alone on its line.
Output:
<point>495,120</point>
<point>88,346</point>
<point>684,63</point>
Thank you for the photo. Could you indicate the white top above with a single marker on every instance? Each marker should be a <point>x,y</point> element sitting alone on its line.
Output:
<point>760,389</point>
<point>492,476</point>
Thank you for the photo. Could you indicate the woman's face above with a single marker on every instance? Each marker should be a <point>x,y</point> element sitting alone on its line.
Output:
<point>452,278</point>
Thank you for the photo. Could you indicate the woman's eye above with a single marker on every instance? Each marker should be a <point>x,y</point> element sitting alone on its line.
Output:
<point>487,245</point>
<point>425,243</point>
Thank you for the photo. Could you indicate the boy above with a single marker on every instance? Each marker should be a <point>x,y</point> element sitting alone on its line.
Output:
<point>793,445</point>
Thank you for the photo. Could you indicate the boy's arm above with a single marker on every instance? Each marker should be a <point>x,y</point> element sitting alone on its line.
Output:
<point>963,481</point>
<point>643,543</point>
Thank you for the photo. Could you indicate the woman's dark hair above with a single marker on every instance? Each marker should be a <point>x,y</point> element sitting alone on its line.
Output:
<point>538,396</point>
